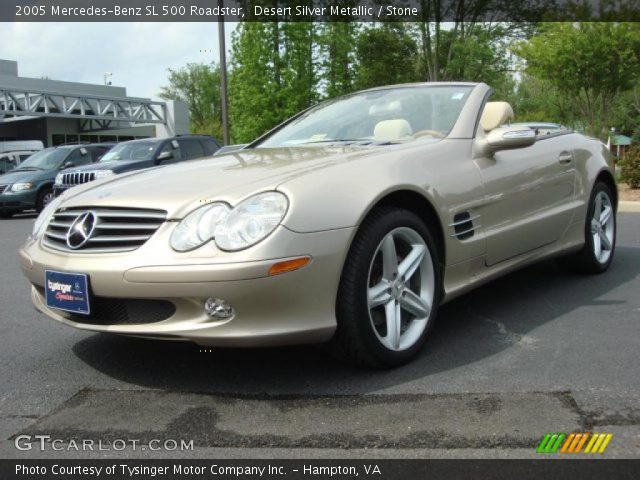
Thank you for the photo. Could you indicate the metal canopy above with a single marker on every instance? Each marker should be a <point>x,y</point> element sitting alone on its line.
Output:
<point>93,111</point>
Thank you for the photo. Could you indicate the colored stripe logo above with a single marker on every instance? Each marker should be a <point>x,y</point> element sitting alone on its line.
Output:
<point>574,443</point>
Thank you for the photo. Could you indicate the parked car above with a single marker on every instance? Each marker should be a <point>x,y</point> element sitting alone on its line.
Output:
<point>543,128</point>
<point>30,185</point>
<point>12,153</point>
<point>348,224</point>
<point>10,160</point>
<point>21,145</point>
<point>138,155</point>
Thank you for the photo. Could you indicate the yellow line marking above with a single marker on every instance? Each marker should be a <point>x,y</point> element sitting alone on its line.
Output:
<point>590,444</point>
<point>605,443</point>
<point>598,442</point>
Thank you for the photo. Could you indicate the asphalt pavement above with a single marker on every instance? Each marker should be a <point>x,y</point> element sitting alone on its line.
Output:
<point>541,350</point>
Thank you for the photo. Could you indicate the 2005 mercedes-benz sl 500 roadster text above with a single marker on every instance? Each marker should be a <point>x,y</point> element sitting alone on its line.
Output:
<point>348,224</point>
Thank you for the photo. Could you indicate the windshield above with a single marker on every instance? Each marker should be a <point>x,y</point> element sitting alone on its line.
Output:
<point>131,151</point>
<point>389,115</point>
<point>46,159</point>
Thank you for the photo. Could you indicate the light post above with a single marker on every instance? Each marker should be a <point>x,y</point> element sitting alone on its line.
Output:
<point>106,76</point>
<point>223,77</point>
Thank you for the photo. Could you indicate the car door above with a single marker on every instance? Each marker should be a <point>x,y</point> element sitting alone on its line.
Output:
<point>170,153</point>
<point>529,197</point>
<point>191,148</point>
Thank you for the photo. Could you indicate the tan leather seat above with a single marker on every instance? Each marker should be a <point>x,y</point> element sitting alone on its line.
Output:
<point>389,130</point>
<point>495,114</point>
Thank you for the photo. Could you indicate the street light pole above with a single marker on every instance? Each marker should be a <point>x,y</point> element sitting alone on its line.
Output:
<point>223,78</point>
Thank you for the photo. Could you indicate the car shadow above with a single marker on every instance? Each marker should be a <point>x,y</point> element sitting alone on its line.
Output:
<point>493,318</point>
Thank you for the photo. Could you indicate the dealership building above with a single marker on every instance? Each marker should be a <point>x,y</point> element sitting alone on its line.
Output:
<point>58,112</point>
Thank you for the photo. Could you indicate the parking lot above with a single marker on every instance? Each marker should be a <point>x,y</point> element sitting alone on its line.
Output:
<point>542,350</point>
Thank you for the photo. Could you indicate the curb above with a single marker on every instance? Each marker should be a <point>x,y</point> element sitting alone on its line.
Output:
<point>628,207</point>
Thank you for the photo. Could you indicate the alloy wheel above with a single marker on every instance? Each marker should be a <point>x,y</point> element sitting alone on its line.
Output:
<point>602,227</point>
<point>401,288</point>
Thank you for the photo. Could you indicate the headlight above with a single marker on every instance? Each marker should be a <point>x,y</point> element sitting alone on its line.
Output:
<point>19,187</point>
<point>58,179</point>
<point>103,173</point>
<point>251,221</point>
<point>197,228</point>
<point>233,229</point>
<point>44,217</point>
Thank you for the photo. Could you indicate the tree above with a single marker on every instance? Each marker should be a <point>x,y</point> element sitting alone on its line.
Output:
<point>198,85</point>
<point>589,63</point>
<point>272,75</point>
<point>336,42</point>
<point>385,55</point>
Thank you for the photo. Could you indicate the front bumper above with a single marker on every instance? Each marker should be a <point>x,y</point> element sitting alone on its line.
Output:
<point>291,308</point>
<point>18,201</point>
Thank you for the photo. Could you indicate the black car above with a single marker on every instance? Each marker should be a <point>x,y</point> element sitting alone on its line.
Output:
<point>137,155</point>
<point>30,184</point>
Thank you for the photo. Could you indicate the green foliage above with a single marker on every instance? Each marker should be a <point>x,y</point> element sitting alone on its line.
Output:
<point>198,85</point>
<point>272,75</point>
<point>588,63</point>
<point>630,167</point>
<point>385,56</point>
<point>337,57</point>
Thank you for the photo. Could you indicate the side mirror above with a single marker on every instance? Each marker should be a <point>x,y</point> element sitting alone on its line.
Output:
<point>164,156</point>
<point>507,138</point>
<point>67,164</point>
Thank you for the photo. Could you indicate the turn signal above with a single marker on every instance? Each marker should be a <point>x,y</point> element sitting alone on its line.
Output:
<point>288,265</point>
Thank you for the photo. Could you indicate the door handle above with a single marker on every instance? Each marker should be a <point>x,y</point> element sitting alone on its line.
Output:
<point>565,157</point>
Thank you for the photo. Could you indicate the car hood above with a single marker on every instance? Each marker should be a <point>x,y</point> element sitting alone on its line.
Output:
<point>27,176</point>
<point>179,188</point>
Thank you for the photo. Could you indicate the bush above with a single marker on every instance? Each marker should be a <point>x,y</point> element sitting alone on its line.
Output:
<point>630,167</point>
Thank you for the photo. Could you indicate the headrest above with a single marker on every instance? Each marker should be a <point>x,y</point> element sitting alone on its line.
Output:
<point>392,130</point>
<point>495,114</point>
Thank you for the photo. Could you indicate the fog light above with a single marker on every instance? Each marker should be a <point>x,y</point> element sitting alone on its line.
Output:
<point>218,308</point>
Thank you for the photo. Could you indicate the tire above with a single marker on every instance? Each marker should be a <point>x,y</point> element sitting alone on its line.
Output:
<point>44,197</point>
<point>373,292</point>
<point>600,237</point>
<point>5,215</point>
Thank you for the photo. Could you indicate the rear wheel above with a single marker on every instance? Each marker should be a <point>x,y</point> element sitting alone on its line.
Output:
<point>389,291</point>
<point>600,232</point>
<point>44,197</point>
<point>6,214</point>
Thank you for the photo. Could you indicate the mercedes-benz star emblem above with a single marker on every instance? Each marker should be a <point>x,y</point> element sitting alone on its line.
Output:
<point>81,230</point>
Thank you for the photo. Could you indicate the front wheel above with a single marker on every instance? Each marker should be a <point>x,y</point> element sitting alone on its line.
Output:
<point>44,197</point>
<point>389,290</point>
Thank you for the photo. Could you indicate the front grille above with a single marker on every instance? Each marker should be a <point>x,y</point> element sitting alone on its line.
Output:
<point>77,178</point>
<point>3,188</point>
<point>118,311</point>
<point>111,311</point>
<point>114,229</point>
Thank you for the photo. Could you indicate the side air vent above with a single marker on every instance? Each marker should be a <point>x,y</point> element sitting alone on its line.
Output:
<point>463,226</point>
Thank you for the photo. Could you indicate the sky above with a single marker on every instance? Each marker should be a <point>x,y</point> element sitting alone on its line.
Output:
<point>137,54</point>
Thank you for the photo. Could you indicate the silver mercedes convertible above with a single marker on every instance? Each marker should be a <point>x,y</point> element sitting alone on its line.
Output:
<point>349,224</point>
